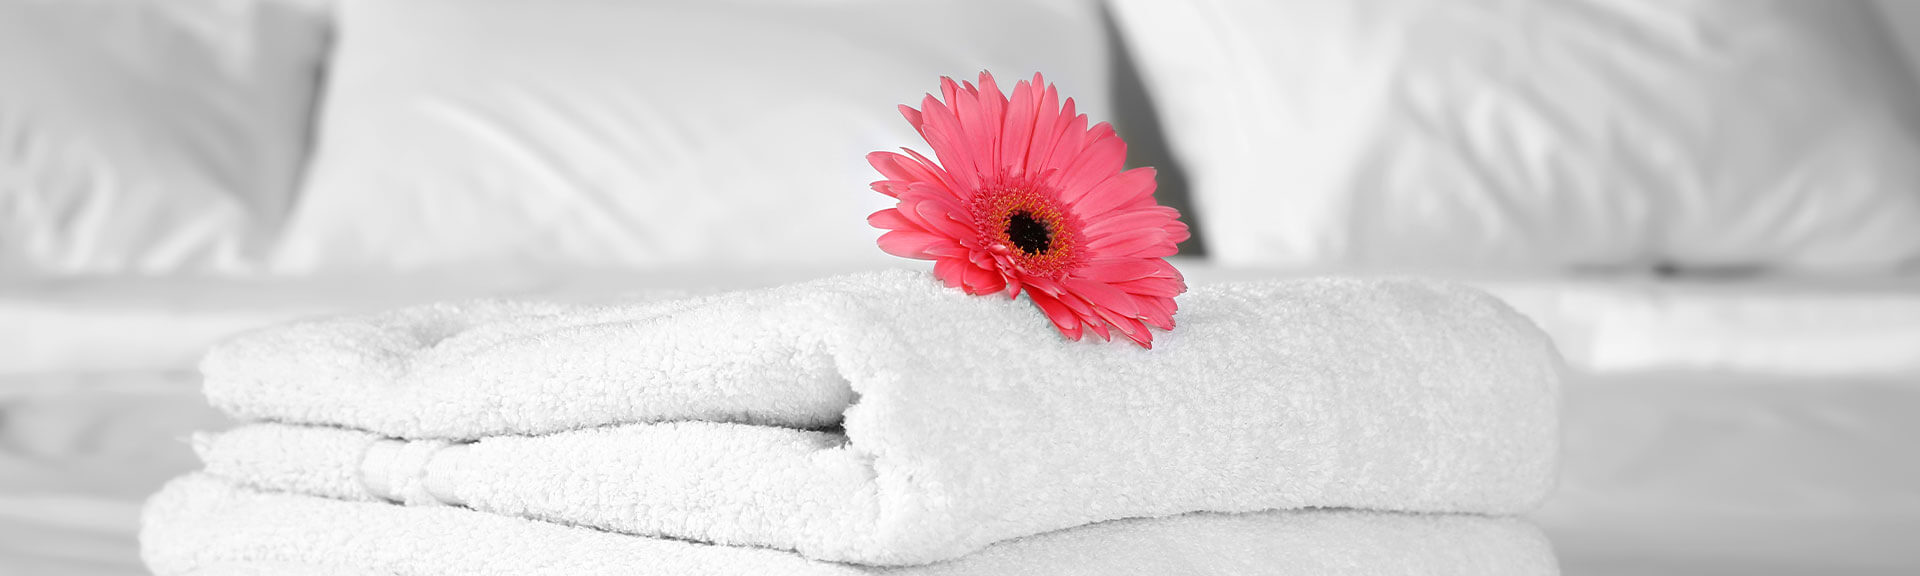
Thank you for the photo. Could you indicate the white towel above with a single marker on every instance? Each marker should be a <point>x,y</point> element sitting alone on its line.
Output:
<point>967,420</point>
<point>203,526</point>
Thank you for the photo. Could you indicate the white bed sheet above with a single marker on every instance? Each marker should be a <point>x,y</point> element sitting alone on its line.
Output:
<point>1707,464</point>
<point>1791,475</point>
<point>78,455</point>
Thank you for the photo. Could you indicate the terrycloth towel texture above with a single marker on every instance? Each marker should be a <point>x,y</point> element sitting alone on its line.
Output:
<point>967,420</point>
<point>200,525</point>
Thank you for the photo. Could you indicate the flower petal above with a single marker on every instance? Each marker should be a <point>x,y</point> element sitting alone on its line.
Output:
<point>952,186</point>
<point>1121,222</point>
<point>993,112</point>
<point>983,280</point>
<point>890,219</point>
<point>1103,295</point>
<point>1157,287</point>
<point>951,271</point>
<point>1016,138</point>
<point>1133,329</point>
<point>1129,242</point>
<point>1111,270</point>
<point>950,144</point>
<point>950,249</point>
<point>1099,327</point>
<point>1157,312</point>
<point>1071,132</point>
<point>1158,250</point>
<point>1115,192</point>
<point>902,168</point>
<point>937,213</point>
<point>976,129</point>
<point>1062,317</point>
<point>949,91</point>
<point>914,244</point>
<point>1140,243</point>
<point>1046,130</point>
<point>913,116</point>
<point>1103,155</point>
<point>1178,231</point>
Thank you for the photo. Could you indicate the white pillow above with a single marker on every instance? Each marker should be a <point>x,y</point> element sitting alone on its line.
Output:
<point>150,136</point>
<point>1538,134</point>
<point>598,133</point>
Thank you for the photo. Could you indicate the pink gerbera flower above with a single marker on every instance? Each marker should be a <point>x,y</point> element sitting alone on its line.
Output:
<point>1026,196</point>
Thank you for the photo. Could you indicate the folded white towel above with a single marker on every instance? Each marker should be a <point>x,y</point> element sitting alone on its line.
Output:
<point>967,420</point>
<point>256,568</point>
<point>729,484</point>
<point>204,526</point>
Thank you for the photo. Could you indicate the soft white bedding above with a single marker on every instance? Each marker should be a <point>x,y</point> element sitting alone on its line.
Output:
<point>152,137</point>
<point>1798,475</point>
<point>1622,134</point>
<point>641,133</point>
<point>1768,438</point>
<point>78,454</point>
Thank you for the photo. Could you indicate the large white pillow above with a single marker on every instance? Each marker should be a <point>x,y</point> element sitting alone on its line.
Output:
<point>606,133</point>
<point>1539,133</point>
<point>148,136</point>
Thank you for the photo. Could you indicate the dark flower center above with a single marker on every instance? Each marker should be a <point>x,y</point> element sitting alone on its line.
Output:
<point>1029,234</point>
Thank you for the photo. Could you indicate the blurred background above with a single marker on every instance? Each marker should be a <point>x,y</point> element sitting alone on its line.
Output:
<point>1713,206</point>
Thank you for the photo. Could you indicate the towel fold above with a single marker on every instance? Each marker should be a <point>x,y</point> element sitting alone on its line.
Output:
<point>200,525</point>
<point>962,420</point>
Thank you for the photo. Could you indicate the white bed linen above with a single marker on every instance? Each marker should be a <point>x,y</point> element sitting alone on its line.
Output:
<point>78,454</point>
<point>1700,473</point>
<point>1703,134</point>
<point>1693,469</point>
<point>152,136</point>
<point>462,134</point>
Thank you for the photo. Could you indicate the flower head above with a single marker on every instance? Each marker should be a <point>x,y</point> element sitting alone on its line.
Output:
<point>1026,197</point>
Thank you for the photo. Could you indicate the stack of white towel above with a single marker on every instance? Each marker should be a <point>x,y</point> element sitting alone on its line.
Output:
<point>879,423</point>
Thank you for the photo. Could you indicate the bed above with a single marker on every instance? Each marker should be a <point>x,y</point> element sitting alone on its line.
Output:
<point>1726,261</point>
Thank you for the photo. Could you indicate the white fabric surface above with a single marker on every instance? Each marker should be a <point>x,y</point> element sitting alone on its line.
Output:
<point>1615,134</point>
<point>166,323</point>
<point>98,435</point>
<point>151,136</point>
<point>509,133</point>
<point>1706,471</point>
<point>1903,20</point>
<point>198,522</point>
<point>1680,474</point>
<point>1392,395</point>
<point>1650,457</point>
<point>1817,329</point>
<point>78,455</point>
<point>1778,327</point>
